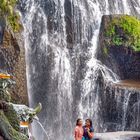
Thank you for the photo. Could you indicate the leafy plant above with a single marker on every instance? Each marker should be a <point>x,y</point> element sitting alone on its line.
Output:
<point>105,50</point>
<point>124,30</point>
<point>7,10</point>
<point>117,40</point>
<point>111,31</point>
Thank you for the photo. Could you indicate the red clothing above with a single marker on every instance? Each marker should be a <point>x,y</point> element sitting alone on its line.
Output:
<point>78,134</point>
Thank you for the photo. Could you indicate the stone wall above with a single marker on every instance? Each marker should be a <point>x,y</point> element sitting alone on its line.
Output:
<point>12,60</point>
<point>123,60</point>
<point>119,108</point>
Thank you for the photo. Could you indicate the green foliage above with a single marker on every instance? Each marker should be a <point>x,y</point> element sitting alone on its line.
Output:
<point>9,133</point>
<point>124,30</point>
<point>7,9</point>
<point>111,31</point>
<point>12,117</point>
<point>9,119</point>
<point>4,86</point>
<point>117,40</point>
<point>105,50</point>
<point>13,20</point>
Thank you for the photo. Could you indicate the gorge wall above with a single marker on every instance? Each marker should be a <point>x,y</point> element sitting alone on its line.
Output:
<point>12,61</point>
<point>121,59</point>
<point>63,72</point>
<point>120,99</point>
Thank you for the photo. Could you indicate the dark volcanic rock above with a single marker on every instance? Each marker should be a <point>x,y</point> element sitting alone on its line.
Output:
<point>119,108</point>
<point>121,59</point>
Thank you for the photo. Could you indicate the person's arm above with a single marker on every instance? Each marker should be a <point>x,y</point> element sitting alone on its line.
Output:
<point>90,134</point>
<point>76,134</point>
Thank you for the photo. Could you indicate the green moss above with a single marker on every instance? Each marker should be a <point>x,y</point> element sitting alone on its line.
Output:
<point>12,117</point>
<point>16,135</point>
<point>4,96</point>
<point>13,20</point>
<point>7,131</point>
<point>124,30</point>
<point>117,40</point>
<point>105,50</point>
<point>4,86</point>
<point>7,9</point>
<point>9,121</point>
<point>4,126</point>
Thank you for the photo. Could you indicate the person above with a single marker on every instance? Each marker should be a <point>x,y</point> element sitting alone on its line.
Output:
<point>78,133</point>
<point>88,130</point>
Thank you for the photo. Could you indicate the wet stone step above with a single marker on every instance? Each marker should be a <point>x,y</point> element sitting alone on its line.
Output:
<point>120,135</point>
<point>130,83</point>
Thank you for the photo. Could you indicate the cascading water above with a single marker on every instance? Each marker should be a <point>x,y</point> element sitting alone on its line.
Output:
<point>61,38</point>
<point>43,129</point>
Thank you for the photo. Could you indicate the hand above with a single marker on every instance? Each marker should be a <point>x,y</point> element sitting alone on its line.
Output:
<point>88,129</point>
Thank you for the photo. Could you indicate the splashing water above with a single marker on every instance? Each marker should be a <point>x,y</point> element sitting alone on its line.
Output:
<point>38,122</point>
<point>61,39</point>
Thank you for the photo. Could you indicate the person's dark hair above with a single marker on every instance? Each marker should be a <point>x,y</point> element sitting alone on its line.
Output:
<point>89,121</point>
<point>78,121</point>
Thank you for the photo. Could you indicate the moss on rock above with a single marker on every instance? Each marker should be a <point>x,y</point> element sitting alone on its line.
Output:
<point>9,121</point>
<point>7,131</point>
<point>121,59</point>
<point>12,117</point>
<point>5,96</point>
<point>124,30</point>
<point>7,10</point>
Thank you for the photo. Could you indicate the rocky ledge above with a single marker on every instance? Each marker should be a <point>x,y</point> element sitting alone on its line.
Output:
<point>117,50</point>
<point>121,135</point>
<point>12,61</point>
<point>135,84</point>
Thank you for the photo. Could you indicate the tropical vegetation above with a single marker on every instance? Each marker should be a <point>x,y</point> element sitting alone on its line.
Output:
<point>7,10</point>
<point>124,31</point>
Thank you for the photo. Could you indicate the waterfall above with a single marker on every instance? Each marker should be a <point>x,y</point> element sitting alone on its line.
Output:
<point>47,137</point>
<point>120,108</point>
<point>61,38</point>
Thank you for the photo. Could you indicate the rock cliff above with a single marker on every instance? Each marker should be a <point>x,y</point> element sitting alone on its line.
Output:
<point>12,60</point>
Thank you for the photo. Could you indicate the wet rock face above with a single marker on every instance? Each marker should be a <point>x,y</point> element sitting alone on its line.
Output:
<point>120,103</point>
<point>69,25</point>
<point>12,60</point>
<point>128,62</point>
<point>3,105</point>
<point>121,59</point>
<point>119,108</point>
<point>2,25</point>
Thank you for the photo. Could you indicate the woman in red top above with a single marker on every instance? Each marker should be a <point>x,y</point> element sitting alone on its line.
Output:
<point>78,134</point>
